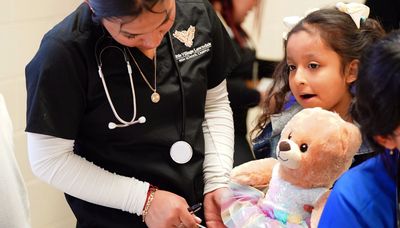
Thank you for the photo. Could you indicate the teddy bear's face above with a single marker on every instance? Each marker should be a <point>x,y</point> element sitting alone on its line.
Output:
<point>315,147</point>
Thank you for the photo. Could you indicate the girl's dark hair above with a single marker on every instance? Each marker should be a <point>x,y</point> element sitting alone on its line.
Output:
<point>339,32</point>
<point>377,104</point>
<point>113,9</point>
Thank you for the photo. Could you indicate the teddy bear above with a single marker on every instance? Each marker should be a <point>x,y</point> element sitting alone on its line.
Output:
<point>316,146</point>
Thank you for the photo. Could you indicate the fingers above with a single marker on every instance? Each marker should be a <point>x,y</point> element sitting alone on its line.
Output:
<point>198,220</point>
<point>188,219</point>
<point>197,225</point>
<point>191,218</point>
<point>170,210</point>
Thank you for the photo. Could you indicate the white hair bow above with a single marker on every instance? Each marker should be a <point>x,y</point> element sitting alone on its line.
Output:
<point>291,21</point>
<point>357,11</point>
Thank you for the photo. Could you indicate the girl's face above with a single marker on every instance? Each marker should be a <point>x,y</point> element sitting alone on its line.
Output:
<point>316,78</point>
<point>241,8</point>
<point>145,31</point>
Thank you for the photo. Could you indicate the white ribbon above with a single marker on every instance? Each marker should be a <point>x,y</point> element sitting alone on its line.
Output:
<point>357,11</point>
<point>291,21</point>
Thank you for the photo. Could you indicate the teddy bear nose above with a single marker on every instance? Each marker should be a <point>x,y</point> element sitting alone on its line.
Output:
<point>284,146</point>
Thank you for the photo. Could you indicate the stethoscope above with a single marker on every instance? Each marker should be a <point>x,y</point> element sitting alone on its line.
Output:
<point>181,152</point>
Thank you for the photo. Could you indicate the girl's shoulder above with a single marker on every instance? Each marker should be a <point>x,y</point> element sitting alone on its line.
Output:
<point>264,144</point>
<point>278,121</point>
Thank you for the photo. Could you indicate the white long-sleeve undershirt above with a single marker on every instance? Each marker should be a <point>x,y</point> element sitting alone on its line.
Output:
<point>52,159</point>
<point>218,137</point>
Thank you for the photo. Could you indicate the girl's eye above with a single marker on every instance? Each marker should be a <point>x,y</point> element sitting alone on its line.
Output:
<point>291,67</point>
<point>313,66</point>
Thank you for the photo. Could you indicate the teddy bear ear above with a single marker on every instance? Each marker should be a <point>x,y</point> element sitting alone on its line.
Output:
<point>351,139</point>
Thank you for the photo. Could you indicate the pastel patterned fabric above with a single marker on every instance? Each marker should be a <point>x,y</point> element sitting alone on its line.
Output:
<point>284,205</point>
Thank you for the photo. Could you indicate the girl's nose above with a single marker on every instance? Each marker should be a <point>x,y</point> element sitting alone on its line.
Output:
<point>300,77</point>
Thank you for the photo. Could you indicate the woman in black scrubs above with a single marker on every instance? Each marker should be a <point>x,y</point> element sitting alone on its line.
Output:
<point>128,112</point>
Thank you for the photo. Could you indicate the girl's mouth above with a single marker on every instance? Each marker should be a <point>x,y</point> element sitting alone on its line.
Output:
<point>307,96</point>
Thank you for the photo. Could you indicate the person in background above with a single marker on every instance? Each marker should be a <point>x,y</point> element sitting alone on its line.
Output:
<point>387,12</point>
<point>242,94</point>
<point>318,70</point>
<point>128,113</point>
<point>365,196</point>
<point>14,209</point>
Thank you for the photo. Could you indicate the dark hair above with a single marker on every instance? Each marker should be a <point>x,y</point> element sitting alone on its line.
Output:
<point>377,103</point>
<point>239,35</point>
<point>114,9</point>
<point>339,32</point>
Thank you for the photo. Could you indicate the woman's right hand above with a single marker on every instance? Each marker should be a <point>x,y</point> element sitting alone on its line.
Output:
<point>170,210</point>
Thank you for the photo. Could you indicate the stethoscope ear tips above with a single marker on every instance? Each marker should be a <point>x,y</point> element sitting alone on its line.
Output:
<point>112,125</point>
<point>142,119</point>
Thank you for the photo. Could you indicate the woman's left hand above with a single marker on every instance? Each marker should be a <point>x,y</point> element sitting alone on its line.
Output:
<point>212,208</point>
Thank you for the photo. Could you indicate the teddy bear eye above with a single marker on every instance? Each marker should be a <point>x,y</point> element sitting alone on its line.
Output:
<point>290,135</point>
<point>303,147</point>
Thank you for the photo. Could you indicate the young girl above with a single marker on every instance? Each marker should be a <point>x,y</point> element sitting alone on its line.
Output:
<point>318,70</point>
<point>320,65</point>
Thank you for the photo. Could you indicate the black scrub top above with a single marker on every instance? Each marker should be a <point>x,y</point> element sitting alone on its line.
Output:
<point>66,99</point>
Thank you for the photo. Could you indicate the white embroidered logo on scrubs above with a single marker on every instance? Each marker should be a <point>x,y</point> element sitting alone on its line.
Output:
<point>186,37</point>
<point>194,52</point>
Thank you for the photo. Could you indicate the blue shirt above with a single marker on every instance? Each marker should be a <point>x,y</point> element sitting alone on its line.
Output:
<point>365,196</point>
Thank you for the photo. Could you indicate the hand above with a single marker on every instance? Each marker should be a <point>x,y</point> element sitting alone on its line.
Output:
<point>212,208</point>
<point>169,210</point>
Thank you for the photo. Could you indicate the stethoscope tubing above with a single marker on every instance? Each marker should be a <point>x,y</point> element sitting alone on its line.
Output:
<point>124,123</point>
<point>129,68</point>
<point>182,90</point>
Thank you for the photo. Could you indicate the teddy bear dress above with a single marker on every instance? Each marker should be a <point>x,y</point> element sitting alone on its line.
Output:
<point>284,204</point>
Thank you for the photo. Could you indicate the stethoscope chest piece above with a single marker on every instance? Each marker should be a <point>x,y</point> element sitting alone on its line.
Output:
<point>181,152</point>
